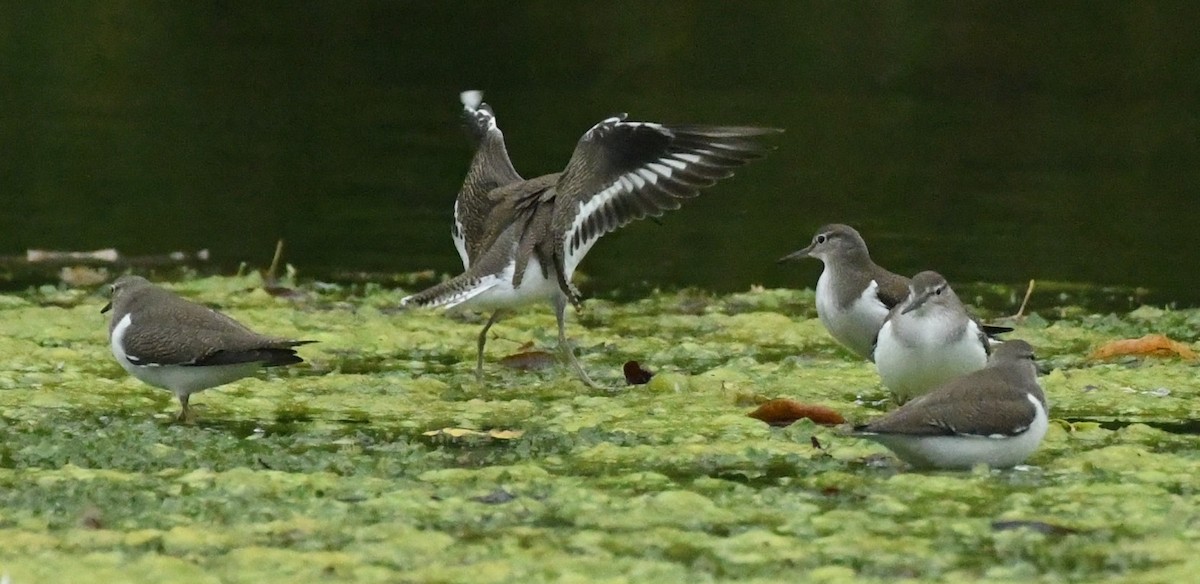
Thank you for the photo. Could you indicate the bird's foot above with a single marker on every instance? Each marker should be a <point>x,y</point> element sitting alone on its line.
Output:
<point>569,353</point>
<point>575,297</point>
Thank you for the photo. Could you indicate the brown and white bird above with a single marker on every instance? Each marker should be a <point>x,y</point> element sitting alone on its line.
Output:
<point>181,346</point>
<point>928,339</point>
<point>854,294</point>
<point>521,240</point>
<point>995,416</point>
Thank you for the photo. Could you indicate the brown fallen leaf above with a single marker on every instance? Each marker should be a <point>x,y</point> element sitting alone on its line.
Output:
<point>783,412</point>
<point>635,374</point>
<point>91,519</point>
<point>1153,345</point>
<point>529,360</point>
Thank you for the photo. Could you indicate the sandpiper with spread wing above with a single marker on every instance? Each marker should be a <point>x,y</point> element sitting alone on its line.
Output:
<point>521,240</point>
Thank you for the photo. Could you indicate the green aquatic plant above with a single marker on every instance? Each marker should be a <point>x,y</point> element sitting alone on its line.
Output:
<point>335,471</point>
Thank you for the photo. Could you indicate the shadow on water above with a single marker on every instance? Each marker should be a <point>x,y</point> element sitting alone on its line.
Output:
<point>1185,427</point>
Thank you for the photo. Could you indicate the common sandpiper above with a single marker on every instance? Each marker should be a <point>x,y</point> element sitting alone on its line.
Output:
<point>521,240</point>
<point>184,347</point>
<point>995,416</point>
<point>854,294</point>
<point>928,339</point>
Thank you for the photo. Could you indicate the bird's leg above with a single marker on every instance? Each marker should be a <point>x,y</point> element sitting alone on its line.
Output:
<point>560,312</point>
<point>185,413</point>
<point>481,343</point>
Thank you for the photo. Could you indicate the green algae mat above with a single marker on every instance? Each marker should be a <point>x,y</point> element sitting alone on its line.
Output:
<point>383,460</point>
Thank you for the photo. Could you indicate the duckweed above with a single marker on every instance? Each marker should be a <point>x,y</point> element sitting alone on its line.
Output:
<point>330,470</point>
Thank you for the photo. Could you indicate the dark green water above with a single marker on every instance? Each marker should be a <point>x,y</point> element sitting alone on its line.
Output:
<point>991,141</point>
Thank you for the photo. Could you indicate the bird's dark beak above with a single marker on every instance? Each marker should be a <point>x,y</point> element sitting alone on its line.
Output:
<point>797,255</point>
<point>921,299</point>
<point>107,307</point>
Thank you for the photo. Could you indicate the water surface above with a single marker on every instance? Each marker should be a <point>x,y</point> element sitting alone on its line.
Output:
<point>989,141</point>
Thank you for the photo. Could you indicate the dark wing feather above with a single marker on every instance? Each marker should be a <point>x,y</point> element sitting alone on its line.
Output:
<point>981,334</point>
<point>514,204</point>
<point>185,333</point>
<point>622,171</point>
<point>893,288</point>
<point>267,356</point>
<point>979,404</point>
<point>993,330</point>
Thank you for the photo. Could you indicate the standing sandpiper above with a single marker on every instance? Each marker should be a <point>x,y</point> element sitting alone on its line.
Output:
<point>184,347</point>
<point>521,240</point>
<point>995,416</point>
<point>854,294</point>
<point>928,339</point>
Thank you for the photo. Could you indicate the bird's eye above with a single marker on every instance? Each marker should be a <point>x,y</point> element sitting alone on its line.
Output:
<point>938,290</point>
<point>820,239</point>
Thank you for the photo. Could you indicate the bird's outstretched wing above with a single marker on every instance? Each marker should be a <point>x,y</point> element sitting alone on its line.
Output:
<point>490,169</point>
<point>622,171</point>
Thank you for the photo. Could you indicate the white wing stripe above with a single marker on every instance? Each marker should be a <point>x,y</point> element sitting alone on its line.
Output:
<point>460,238</point>
<point>575,245</point>
<point>636,124</point>
<point>660,168</point>
<point>679,164</point>
<point>572,254</point>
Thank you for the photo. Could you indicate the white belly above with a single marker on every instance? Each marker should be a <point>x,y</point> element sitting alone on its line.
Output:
<point>916,364</point>
<point>855,326</point>
<point>964,452</point>
<point>179,379</point>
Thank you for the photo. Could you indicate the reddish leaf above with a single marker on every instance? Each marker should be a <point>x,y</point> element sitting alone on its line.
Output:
<point>783,412</point>
<point>1149,345</point>
<point>529,360</point>
<point>635,374</point>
